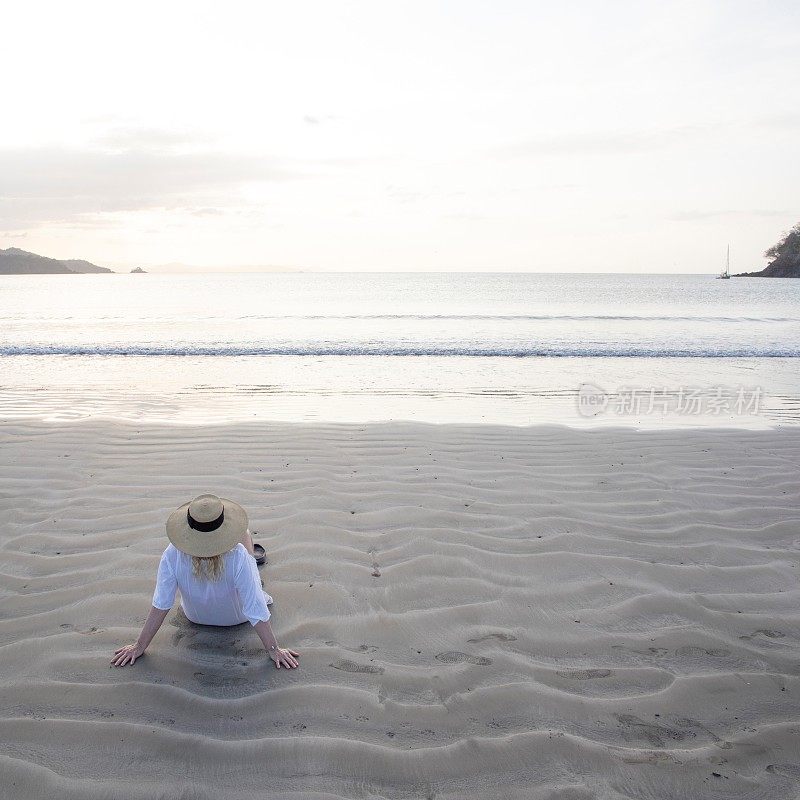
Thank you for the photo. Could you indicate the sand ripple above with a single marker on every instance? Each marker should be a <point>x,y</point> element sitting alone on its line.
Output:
<point>481,611</point>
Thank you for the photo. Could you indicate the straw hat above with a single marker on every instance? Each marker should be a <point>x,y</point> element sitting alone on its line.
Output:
<point>208,526</point>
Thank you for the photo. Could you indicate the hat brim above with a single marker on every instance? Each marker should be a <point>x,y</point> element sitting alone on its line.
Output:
<point>211,543</point>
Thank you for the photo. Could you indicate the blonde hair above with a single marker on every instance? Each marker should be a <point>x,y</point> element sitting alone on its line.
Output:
<point>208,567</point>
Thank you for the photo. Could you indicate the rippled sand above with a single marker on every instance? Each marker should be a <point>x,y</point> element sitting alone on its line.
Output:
<point>481,611</point>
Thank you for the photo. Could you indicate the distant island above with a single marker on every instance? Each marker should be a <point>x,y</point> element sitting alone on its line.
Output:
<point>14,261</point>
<point>785,257</point>
<point>138,270</point>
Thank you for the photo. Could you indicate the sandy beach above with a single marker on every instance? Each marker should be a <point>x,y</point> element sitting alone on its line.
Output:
<point>482,611</point>
<point>487,329</point>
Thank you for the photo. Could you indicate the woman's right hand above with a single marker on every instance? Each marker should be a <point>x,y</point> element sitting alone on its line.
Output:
<point>282,656</point>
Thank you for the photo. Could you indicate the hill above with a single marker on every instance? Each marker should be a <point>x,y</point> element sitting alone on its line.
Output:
<point>14,261</point>
<point>785,257</point>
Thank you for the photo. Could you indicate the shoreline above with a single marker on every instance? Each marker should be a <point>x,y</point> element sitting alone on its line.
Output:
<point>434,390</point>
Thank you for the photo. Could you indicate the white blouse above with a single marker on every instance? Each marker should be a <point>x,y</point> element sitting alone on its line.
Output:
<point>235,598</point>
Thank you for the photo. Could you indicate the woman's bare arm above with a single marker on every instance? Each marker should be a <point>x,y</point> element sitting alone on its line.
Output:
<point>130,652</point>
<point>281,656</point>
<point>247,541</point>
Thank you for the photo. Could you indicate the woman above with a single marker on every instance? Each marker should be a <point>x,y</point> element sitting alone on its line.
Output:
<point>211,560</point>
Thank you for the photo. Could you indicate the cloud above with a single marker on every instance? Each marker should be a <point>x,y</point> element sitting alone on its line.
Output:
<point>318,119</point>
<point>699,216</point>
<point>138,138</point>
<point>600,143</point>
<point>781,122</point>
<point>404,195</point>
<point>206,212</point>
<point>47,185</point>
<point>465,216</point>
<point>629,142</point>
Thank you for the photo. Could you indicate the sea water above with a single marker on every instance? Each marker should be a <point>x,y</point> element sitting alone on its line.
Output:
<point>440,347</point>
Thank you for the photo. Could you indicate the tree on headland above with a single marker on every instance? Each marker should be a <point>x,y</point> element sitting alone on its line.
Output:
<point>785,257</point>
<point>788,246</point>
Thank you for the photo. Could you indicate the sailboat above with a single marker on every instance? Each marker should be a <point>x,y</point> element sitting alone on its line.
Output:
<point>726,273</point>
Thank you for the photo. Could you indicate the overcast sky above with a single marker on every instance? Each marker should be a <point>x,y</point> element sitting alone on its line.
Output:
<point>458,135</point>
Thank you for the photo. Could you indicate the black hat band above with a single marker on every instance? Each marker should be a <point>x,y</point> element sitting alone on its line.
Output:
<point>205,527</point>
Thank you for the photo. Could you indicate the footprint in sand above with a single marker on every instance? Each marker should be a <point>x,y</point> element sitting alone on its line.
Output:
<point>351,666</point>
<point>584,674</point>
<point>689,650</point>
<point>635,729</point>
<point>463,658</point>
<point>650,651</point>
<point>376,567</point>
<point>688,722</point>
<point>786,770</point>
<point>362,648</point>
<point>653,651</point>
<point>501,637</point>
<point>643,756</point>
<point>770,634</point>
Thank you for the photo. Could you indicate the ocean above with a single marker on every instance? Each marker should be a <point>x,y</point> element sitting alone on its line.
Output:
<point>520,349</point>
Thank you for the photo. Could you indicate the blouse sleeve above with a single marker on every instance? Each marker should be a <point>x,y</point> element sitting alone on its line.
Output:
<point>166,583</point>
<point>248,585</point>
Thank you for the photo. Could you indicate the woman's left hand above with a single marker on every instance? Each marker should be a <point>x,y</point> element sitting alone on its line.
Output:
<point>127,655</point>
<point>286,657</point>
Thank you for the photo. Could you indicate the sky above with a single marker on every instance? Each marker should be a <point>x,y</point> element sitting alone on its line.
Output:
<point>438,135</point>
